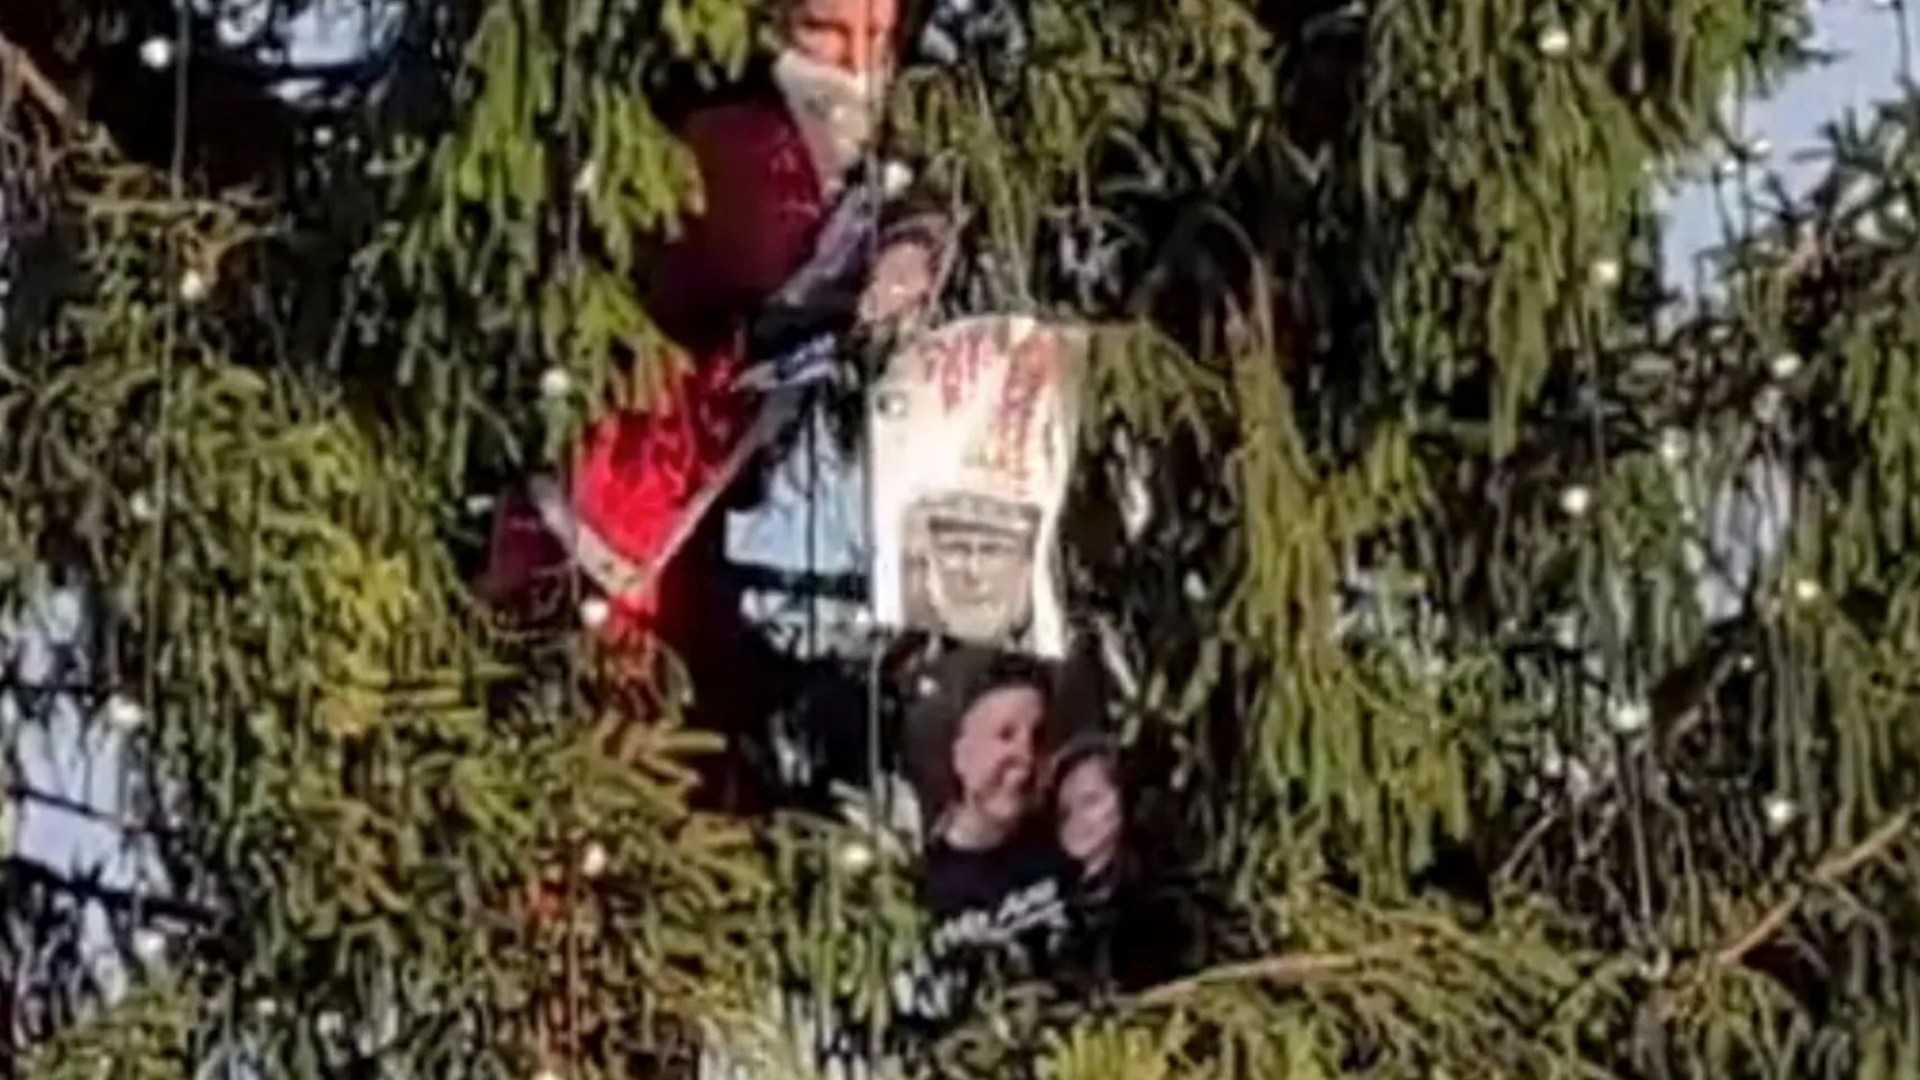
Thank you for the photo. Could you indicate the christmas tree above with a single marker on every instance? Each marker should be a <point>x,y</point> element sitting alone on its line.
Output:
<point>1461,736</point>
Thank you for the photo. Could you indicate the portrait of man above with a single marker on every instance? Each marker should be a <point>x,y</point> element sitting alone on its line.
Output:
<point>970,565</point>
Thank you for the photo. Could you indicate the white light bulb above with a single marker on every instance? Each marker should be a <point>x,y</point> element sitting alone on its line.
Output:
<point>1760,148</point>
<point>1747,663</point>
<point>1576,500</point>
<point>1786,365</point>
<point>555,383</point>
<point>895,179</point>
<point>140,505</point>
<point>594,612</point>
<point>124,714</point>
<point>479,504</point>
<point>330,1024</point>
<point>149,945</point>
<point>926,687</point>
<point>594,860</point>
<point>1194,586</point>
<point>856,857</point>
<point>1673,446</point>
<point>1780,811</point>
<point>586,179</point>
<point>1555,41</point>
<point>156,52</point>
<point>1806,590</point>
<point>194,286</point>
<point>1628,717</point>
<point>1553,766</point>
<point>1606,273</point>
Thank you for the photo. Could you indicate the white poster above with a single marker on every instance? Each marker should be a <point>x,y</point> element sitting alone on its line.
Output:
<point>972,436</point>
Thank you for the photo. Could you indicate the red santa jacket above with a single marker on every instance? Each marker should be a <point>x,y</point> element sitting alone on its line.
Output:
<point>635,472</point>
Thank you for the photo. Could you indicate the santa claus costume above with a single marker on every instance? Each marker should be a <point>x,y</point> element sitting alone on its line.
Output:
<point>629,522</point>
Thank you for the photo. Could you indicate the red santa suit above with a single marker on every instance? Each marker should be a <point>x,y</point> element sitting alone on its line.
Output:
<point>636,473</point>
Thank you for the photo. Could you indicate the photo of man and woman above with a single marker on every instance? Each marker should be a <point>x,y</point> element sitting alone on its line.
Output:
<point>1021,798</point>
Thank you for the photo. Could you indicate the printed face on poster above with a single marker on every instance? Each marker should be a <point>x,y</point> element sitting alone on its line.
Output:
<point>972,438</point>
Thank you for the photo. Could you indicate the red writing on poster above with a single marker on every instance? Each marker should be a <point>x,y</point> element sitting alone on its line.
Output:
<point>1030,370</point>
<point>955,365</point>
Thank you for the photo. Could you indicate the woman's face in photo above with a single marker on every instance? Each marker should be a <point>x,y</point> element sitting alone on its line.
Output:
<point>993,754</point>
<point>1090,813</point>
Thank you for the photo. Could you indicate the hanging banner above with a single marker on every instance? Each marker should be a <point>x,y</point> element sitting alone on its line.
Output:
<point>972,432</point>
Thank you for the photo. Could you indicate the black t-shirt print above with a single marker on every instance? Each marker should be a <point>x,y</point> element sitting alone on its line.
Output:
<point>1005,910</point>
<point>1012,899</point>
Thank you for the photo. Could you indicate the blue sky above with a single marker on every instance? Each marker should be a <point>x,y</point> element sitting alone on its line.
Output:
<point>80,761</point>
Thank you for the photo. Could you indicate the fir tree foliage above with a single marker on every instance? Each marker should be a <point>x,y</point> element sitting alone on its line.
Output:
<point>1437,749</point>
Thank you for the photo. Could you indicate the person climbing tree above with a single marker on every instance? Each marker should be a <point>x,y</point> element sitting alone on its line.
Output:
<point>774,155</point>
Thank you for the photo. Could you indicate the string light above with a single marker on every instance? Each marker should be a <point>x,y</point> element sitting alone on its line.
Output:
<point>1806,590</point>
<point>1786,365</point>
<point>1555,42</point>
<point>1606,273</point>
<point>1673,446</point>
<point>124,714</point>
<point>594,612</point>
<point>594,861</point>
<point>1780,811</point>
<point>1629,717</point>
<point>149,945</point>
<point>194,286</point>
<point>156,52</point>
<point>1576,500</point>
<point>856,857</point>
<point>895,178</point>
<point>555,383</point>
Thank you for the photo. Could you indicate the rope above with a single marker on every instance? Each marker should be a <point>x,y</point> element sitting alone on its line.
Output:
<point>882,812</point>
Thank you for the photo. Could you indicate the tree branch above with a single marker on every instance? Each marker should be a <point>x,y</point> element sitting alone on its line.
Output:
<point>1826,875</point>
<point>16,872</point>
<point>1287,969</point>
<point>20,70</point>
